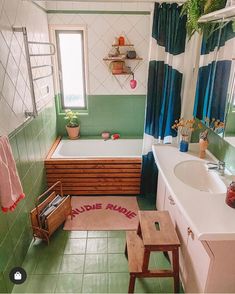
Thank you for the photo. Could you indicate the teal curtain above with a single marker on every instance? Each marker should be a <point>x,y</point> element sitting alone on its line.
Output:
<point>213,75</point>
<point>165,74</point>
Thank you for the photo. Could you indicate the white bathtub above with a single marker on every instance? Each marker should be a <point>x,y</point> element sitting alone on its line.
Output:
<point>90,148</point>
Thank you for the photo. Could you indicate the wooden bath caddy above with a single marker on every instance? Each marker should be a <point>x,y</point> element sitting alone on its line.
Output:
<point>94,176</point>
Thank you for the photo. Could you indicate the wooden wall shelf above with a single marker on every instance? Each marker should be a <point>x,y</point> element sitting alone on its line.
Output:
<point>121,59</point>
<point>127,70</point>
<point>125,45</point>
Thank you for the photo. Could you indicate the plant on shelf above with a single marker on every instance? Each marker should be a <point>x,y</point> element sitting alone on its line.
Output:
<point>194,9</point>
<point>72,126</point>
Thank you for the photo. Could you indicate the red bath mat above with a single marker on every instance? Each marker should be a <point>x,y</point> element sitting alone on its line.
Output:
<point>103,213</point>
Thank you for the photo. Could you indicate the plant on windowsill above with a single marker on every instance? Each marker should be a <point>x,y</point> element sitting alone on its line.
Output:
<point>72,126</point>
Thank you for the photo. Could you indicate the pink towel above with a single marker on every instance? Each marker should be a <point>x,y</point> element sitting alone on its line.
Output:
<point>11,191</point>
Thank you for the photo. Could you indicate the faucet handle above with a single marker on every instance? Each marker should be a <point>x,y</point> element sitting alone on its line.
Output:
<point>221,163</point>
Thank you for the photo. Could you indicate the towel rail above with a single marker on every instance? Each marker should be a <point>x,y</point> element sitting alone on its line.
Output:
<point>45,76</point>
<point>34,113</point>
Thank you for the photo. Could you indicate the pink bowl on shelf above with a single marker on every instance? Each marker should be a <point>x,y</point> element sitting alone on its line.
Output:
<point>105,135</point>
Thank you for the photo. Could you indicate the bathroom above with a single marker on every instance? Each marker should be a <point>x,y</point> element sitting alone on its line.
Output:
<point>128,141</point>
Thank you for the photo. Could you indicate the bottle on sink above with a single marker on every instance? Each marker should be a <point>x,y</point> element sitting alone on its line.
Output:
<point>203,144</point>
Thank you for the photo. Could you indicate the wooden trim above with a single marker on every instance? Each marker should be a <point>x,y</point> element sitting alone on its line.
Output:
<point>97,184</point>
<point>53,148</point>
<point>91,171</point>
<point>53,165</point>
<point>87,175</point>
<point>105,181</point>
<point>94,160</point>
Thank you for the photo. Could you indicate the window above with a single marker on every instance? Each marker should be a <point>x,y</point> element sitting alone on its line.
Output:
<point>70,51</point>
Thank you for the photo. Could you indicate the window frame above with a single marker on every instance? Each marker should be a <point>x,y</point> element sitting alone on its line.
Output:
<point>54,33</point>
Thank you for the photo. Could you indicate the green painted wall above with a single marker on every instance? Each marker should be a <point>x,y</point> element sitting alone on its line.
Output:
<point>30,144</point>
<point>123,114</point>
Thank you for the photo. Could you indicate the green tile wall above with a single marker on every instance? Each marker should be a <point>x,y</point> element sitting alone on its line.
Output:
<point>30,144</point>
<point>230,125</point>
<point>116,113</point>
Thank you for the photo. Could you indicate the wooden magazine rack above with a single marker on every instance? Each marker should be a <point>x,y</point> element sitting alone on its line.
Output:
<point>55,218</point>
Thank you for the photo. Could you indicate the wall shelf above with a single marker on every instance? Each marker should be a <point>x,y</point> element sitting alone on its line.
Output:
<point>125,45</point>
<point>126,69</point>
<point>121,59</point>
<point>121,74</point>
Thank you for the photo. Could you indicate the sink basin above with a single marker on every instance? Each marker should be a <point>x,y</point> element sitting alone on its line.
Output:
<point>195,174</point>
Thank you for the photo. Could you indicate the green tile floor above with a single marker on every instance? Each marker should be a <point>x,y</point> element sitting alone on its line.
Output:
<point>86,262</point>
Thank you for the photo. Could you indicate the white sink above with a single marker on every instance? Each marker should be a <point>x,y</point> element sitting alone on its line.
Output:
<point>195,174</point>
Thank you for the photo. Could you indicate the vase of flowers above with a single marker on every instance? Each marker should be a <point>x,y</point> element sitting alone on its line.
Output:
<point>184,129</point>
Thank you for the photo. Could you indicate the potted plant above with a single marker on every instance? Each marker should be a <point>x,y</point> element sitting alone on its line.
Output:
<point>194,9</point>
<point>72,126</point>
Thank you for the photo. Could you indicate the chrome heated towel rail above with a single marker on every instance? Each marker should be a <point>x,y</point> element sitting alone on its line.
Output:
<point>30,68</point>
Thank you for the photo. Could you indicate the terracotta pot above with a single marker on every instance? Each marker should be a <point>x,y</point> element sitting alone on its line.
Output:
<point>73,132</point>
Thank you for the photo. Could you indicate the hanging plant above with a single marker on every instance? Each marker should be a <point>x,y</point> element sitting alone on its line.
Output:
<point>194,9</point>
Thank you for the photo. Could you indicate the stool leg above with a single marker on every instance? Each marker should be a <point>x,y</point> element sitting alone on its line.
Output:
<point>176,270</point>
<point>132,283</point>
<point>126,252</point>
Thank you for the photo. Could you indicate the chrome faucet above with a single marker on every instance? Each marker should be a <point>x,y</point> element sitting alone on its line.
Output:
<point>219,167</point>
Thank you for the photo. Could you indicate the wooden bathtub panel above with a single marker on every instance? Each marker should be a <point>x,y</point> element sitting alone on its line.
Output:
<point>97,184</point>
<point>109,176</point>
<point>92,171</point>
<point>97,160</point>
<point>98,193</point>
<point>101,180</point>
<point>92,166</point>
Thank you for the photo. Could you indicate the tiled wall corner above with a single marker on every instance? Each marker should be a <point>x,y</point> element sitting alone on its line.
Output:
<point>30,140</point>
<point>30,146</point>
<point>15,97</point>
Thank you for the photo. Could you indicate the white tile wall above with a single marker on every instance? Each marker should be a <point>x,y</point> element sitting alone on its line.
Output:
<point>15,95</point>
<point>101,30</point>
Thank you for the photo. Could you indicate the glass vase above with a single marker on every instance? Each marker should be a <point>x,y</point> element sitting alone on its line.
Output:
<point>184,142</point>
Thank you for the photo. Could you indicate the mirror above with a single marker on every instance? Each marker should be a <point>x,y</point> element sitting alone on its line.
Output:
<point>214,99</point>
<point>229,130</point>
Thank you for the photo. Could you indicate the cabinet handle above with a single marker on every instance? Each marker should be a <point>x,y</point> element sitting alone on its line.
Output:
<point>172,202</point>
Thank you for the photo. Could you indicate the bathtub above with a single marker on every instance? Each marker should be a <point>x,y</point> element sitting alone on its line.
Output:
<point>95,166</point>
<point>92,148</point>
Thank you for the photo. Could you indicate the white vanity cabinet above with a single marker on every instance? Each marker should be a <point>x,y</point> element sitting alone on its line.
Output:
<point>204,223</point>
<point>194,260</point>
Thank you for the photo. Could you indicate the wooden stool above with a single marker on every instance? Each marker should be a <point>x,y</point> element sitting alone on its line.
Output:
<point>155,233</point>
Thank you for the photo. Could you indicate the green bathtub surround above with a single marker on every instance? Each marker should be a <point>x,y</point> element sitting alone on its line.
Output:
<point>122,114</point>
<point>30,144</point>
